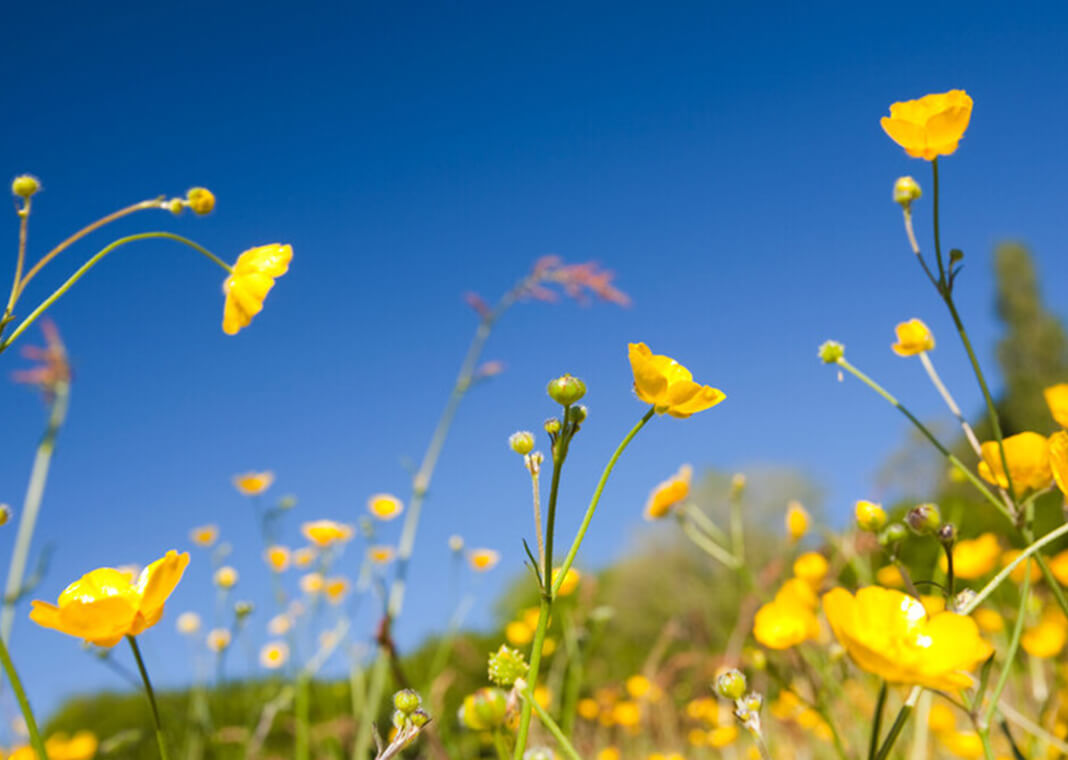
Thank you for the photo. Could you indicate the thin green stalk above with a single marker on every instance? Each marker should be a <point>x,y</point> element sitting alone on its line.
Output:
<point>877,722</point>
<point>899,723</point>
<point>1014,645</point>
<point>31,507</point>
<point>24,223</point>
<point>574,675</point>
<point>544,609</point>
<point>938,227</point>
<point>58,293</point>
<point>151,694</point>
<point>547,721</point>
<point>709,546</point>
<point>24,703</point>
<point>500,745</point>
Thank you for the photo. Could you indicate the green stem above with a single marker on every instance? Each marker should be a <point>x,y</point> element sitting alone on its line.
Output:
<point>535,664</point>
<point>938,227</point>
<point>1014,645</point>
<point>1006,571</point>
<point>899,724</point>
<point>877,722</point>
<point>24,703</point>
<point>547,721</point>
<point>58,293</point>
<point>151,694</point>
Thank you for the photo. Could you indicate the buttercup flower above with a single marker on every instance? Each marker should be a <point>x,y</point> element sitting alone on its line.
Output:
<point>888,633</point>
<point>482,560</point>
<point>1048,638</point>
<point>941,718</point>
<point>1028,457</point>
<point>82,746</point>
<point>200,200</point>
<point>253,483</point>
<point>931,126</point>
<point>789,619</point>
<point>964,744</point>
<point>913,337</point>
<point>274,655</point>
<point>384,506</point>
<point>889,576</point>
<point>988,620</point>
<point>518,633</point>
<point>279,625</point>
<point>1058,459</point>
<point>312,583</point>
<point>380,555</point>
<point>277,558</point>
<point>303,557</point>
<point>796,521</point>
<point>104,605</point>
<point>1057,400</point>
<point>974,558</point>
<point>204,535</point>
<point>669,386</point>
<point>671,492</point>
<point>1018,572</point>
<point>225,577</point>
<point>253,277</point>
<point>1059,565</point>
<point>570,581</point>
<point>335,589</point>
<point>811,567</point>
<point>218,639</point>
<point>188,623</point>
<point>325,533</point>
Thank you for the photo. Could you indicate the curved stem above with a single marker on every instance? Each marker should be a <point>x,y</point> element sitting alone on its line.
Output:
<point>24,224</point>
<point>93,262</point>
<point>562,741</point>
<point>151,694</point>
<point>24,703</point>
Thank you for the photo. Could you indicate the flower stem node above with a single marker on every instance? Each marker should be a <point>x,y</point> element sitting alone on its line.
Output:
<point>407,701</point>
<point>831,351</point>
<point>506,665</point>
<point>731,684</point>
<point>521,442</point>
<point>892,534</point>
<point>870,516</point>
<point>566,390</point>
<point>25,186</point>
<point>906,190</point>
<point>200,200</point>
<point>924,519</point>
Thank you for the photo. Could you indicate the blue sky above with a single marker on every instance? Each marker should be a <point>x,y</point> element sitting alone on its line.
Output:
<point>725,161</point>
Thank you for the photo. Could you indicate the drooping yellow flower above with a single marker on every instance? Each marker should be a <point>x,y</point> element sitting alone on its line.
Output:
<point>913,337</point>
<point>796,521</point>
<point>274,655</point>
<point>336,589</point>
<point>82,746</point>
<point>253,483</point>
<point>482,560</point>
<point>671,492</point>
<point>1028,457</point>
<point>254,274</point>
<point>225,577</point>
<point>380,554</point>
<point>973,558</point>
<point>789,619</point>
<point>1057,400</point>
<point>105,605</point>
<point>277,558</point>
<point>669,386</point>
<point>218,639</point>
<point>811,567</point>
<point>204,535</point>
<point>569,583</point>
<point>1058,459</point>
<point>888,633</point>
<point>188,623</point>
<point>1046,639</point>
<point>384,506</point>
<point>931,126</point>
<point>325,533</point>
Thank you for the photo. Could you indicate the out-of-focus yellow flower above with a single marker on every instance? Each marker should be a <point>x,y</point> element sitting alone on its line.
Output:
<point>384,506</point>
<point>325,533</point>
<point>608,753</point>
<point>1047,638</point>
<point>669,386</point>
<point>988,620</point>
<point>104,605</point>
<point>940,718</point>
<point>279,625</point>
<point>543,696</point>
<point>703,708</point>
<point>1058,459</point>
<point>671,492</point>
<point>965,744</point>
<point>336,589</point>
<point>548,646</point>
<point>204,535</point>
<point>570,582</point>
<point>889,576</point>
<point>722,736</point>
<point>627,713</point>
<point>277,558</point>
<point>640,687</point>
<point>253,483</point>
<point>188,623</point>
<point>254,274</point>
<point>811,567</point>
<point>931,126</point>
<point>789,619</point>
<point>381,554</point>
<point>1057,400</point>
<point>274,655</point>
<point>518,633</point>
<point>82,746</point>
<point>888,633</point>
<point>796,521</point>
<point>303,557</point>
<point>933,604</point>
<point>530,616</point>
<point>974,558</point>
<point>1059,565</point>
<point>218,639</point>
<point>913,337</point>
<point>225,577</point>
<point>1028,456</point>
<point>588,708</point>
<point>482,560</point>
<point>311,583</point>
<point>786,706</point>
<point>1017,574</point>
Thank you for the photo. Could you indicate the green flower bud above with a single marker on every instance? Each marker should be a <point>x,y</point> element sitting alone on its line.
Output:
<point>870,516</point>
<point>906,190</point>
<point>577,414</point>
<point>831,351</point>
<point>243,609</point>
<point>924,519</point>
<point>484,710</point>
<point>25,185</point>
<point>521,442</point>
<point>407,701</point>
<point>506,665</point>
<point>287,502</point>
<point>730,684</point>
<point>566,390</point>
<point>892,534</point>
<point>552,426</point>
<point>419,718</point>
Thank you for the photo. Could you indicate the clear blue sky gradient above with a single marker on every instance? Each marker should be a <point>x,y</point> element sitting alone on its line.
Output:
<point>726,161</point>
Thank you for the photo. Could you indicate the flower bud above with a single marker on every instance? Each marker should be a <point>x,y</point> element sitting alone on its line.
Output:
<point>419,718</point>
<point>552,426</point>
<point>456,543</point>
<point>577,414</point>
<point>892,534</point>
<point>25,185</point>
<point>201,200</point>
<point>924,519</point>
<point>738,483</point>
<point>175,205</point>
<point>831,351</point>
<point>947,534</point>
<point>870,516</point>
<point>287,502</point>
<point>407,701</point>
<point>243,609</point>
<point>566,390</point>
<point>730,684</point>
<point>906,190</point>
<point>506,665</point>
<point>521,442</point>
<point>5,514</point>
<point>961,600</point>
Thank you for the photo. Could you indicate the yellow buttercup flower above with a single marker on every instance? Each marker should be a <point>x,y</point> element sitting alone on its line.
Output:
<point>569,583</point>
<point>105,605</point>
<point>252,279</point>
<point>889,576</point>
<point>587,708</point>
<point>303,557</point>
<point>797,520</point>
<point>721,736</point>
<point>988,620</point>
<point>274,655</point>
<point>671,492</point>
<point>225,577</point>
<point>218,639</point>
<point>335,589</point>
<point>277,558</point>
<point>384,506</point>
<point>1028,457</point>
<point>974,558</point>
<point>627,713</point>
<point>482,560</point>
<point>518,633</point>
<point>312,583</point>
<point>1057,400</point>
<point>811,567</point>
<point>253,483</point>
<point>913,337</point>
<point>325,533</point>
<point>380,555</point>
<point>188,623</point>
<point>204,535</point>
<point>931,126</point>
<point>1058,459</point>
<point>888,633</point>
<point>1059,565</point>
<point>279,625</point>
<point>82,746</point>
<point>965,744</point>
<point>669,386</point>
<point>941,718</point>
<point>1047,638</point>
<point>200,200</point>
<point>789,619</point>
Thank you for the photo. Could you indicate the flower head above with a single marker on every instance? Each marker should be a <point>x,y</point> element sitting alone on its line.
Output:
<point>82,746</point>
<point>325,533</point>
<point>811,567</point>
<point>931,126</point>
<point>336,589</point>
<point>668,494</point>
<point>1028,458</point>
<point>889,633</point>
<point>669,386</point>
<point>381,554</point>
<point>274,655</point>
<point>252,279</point>
<point>277,558</point>
<point>253,483</point>
<point>482,560</point>
<point>225,577</point>
<point>913,337</point>
<point>204,535</point>
<point>797,520</point>
<point>384,506</point>
<point>200,200</point>
<point>569,583</point>
<point>105,605</point>
<point>218,639</point>
<point>974,558</point>
<point>1058,459</point>
<point>1057,400</point>
<point>188,623</point>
